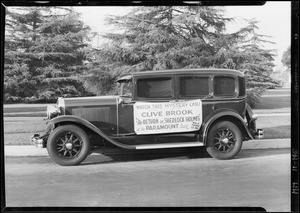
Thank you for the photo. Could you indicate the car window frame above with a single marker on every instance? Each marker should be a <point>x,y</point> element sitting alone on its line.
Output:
<point>135,92</point>
<point>209,77</point>
<point>236,89</point>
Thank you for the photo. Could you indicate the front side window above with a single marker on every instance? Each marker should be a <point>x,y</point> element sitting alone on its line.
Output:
<point>194,86</point>
<point>125,88</point>
<point>155,88</point>
<point>224,86</point>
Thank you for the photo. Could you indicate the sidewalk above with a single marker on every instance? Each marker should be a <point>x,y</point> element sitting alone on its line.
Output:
<point>22,151</point>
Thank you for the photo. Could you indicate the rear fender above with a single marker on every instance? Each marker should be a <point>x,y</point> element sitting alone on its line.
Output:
<point>228,115</point>
<point>70,119</point>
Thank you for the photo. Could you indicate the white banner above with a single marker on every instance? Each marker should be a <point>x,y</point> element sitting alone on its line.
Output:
<point>167,117</point>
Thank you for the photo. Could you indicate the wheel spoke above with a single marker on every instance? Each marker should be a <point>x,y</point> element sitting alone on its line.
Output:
<point>231,142</point>
<point>230,137</point>
<point>71,137</point>
<point>219,148</point>
<point>61,149</point>
<point>229,146</point>
<point>217,138</point>
<point>217,142</point>
<point>59,145</point>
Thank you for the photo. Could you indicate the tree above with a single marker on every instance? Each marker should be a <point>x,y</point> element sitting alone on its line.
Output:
<point>286,58</point>
<point>44,54</point>
<point>258,62</point>
<point>166,37</point>
<point>156,38</point>
<point>286,73</point>
<point>255,62</point>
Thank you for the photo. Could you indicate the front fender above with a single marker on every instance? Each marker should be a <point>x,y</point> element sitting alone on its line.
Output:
<point>225,114</point>
<point>77,120</point>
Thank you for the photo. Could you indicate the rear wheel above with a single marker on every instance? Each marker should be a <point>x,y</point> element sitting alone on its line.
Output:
<point>68,145</point>
<point>224,140</point>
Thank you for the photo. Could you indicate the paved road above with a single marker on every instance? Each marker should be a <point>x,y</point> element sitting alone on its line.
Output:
<point>256,178</point>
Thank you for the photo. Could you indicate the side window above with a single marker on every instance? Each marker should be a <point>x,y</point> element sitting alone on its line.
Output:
<point>125,88</point>
<point>242,88</point>
<point>194,86</point>
<point>224,86</point>
<point>155,88</point>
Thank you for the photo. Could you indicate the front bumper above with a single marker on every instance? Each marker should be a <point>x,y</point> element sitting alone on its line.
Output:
<point>37,141</point>
<point>41,140</point>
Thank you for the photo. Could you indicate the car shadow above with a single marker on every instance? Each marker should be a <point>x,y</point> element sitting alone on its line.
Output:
<point>118,156</point>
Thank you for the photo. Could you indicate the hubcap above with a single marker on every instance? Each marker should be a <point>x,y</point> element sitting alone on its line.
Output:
<point>69,145</point>
<point>224,140</point>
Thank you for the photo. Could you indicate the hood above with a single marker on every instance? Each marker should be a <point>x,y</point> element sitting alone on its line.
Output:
<point>91,101</point>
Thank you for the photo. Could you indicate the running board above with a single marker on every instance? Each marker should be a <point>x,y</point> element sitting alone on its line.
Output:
<point>169,145</point>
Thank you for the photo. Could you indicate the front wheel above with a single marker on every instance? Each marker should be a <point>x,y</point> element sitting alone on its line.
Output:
<point>68,145</point>
<point>224,140</point>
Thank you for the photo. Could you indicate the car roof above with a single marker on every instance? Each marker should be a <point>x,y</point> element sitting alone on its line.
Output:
<point>182,71</point>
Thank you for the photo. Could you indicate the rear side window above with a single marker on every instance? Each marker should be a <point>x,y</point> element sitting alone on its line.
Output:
<point>194,86</point>
<point>155,88</point>
<point>224,86</point>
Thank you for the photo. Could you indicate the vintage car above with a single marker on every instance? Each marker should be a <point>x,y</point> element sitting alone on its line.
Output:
<point>154,110</point>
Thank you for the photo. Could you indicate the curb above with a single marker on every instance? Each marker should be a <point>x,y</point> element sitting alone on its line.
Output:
<point>30,151</point>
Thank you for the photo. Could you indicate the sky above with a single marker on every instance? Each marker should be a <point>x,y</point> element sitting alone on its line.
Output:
<point>274,20</point>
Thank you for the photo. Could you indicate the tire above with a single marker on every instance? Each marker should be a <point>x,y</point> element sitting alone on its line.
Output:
<point>68,145</point>
<point>224,140</point>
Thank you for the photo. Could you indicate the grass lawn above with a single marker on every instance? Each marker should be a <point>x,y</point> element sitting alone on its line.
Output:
<point>274,103</point>
<point>275,126</point>
<point>25,110</point>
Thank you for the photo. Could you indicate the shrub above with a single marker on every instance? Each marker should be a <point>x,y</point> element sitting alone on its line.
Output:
<point>254,96</point>
<point>47,97</point>
<point>8,99</point>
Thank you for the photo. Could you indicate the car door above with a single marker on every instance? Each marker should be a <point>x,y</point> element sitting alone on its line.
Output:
<point>197,87</point>
<point>147,89</point>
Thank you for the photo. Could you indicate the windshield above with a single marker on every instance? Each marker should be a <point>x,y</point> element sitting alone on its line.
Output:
<point>126,88</point>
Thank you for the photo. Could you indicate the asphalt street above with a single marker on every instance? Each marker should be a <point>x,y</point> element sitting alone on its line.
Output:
<point>255,178</point>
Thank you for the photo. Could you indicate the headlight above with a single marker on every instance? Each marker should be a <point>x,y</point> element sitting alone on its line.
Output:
<point>61,105</point>
<point>52,112</point>
<point>56,110</point>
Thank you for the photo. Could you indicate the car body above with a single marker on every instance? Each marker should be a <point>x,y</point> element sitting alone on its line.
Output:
<point>154,110</point>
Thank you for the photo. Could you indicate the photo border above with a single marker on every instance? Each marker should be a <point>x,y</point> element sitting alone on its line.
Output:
<point>294,103</point>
